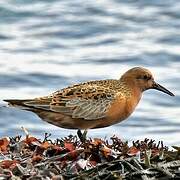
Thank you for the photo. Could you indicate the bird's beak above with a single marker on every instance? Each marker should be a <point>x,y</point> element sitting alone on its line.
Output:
<point>161,88</point>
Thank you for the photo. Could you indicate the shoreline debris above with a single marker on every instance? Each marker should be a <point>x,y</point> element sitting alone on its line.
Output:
<point>92,159</point>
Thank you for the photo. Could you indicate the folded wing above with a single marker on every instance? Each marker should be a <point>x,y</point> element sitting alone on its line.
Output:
<point>86,101</point>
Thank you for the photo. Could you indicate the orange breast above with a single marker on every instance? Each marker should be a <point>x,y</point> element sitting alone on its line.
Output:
<point>117,111</point>
<point>122,108</point>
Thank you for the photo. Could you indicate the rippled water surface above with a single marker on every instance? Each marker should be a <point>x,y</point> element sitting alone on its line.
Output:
<point>46,45</point>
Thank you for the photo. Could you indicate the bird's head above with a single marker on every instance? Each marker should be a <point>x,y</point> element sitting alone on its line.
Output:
<point>143,79</point>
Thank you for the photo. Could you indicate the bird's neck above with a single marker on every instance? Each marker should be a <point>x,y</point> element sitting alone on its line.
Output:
<point>132,92</point>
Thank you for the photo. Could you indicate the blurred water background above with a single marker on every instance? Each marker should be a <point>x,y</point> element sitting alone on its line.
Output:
<point>47,45</point>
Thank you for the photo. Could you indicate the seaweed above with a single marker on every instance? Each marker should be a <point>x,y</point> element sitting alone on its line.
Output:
<point>75,158</point>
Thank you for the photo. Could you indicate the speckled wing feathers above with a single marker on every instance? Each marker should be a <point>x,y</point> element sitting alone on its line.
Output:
<point>87,101</point>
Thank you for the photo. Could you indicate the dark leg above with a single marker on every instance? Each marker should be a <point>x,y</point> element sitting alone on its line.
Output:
<point>82,136</point>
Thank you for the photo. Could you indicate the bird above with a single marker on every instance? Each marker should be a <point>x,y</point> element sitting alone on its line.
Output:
<point>93,104</point>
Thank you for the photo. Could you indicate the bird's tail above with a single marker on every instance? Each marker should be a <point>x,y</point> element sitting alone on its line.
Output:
<point>29,104</point>
<point>17,102</point>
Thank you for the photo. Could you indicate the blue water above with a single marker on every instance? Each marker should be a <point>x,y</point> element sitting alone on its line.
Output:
<point>47,45</point>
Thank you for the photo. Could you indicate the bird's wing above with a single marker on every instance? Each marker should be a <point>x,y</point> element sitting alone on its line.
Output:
<point>87,101</point>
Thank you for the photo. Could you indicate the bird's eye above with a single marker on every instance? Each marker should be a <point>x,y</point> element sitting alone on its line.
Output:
<point>145,77</point>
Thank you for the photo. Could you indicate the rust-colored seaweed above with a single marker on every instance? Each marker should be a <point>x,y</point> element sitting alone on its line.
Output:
<point>72,158</point>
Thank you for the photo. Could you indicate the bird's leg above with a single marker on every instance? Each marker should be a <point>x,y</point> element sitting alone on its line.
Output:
<point>85,134</point>
<point>79,133</point>
<point>82,136</point>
